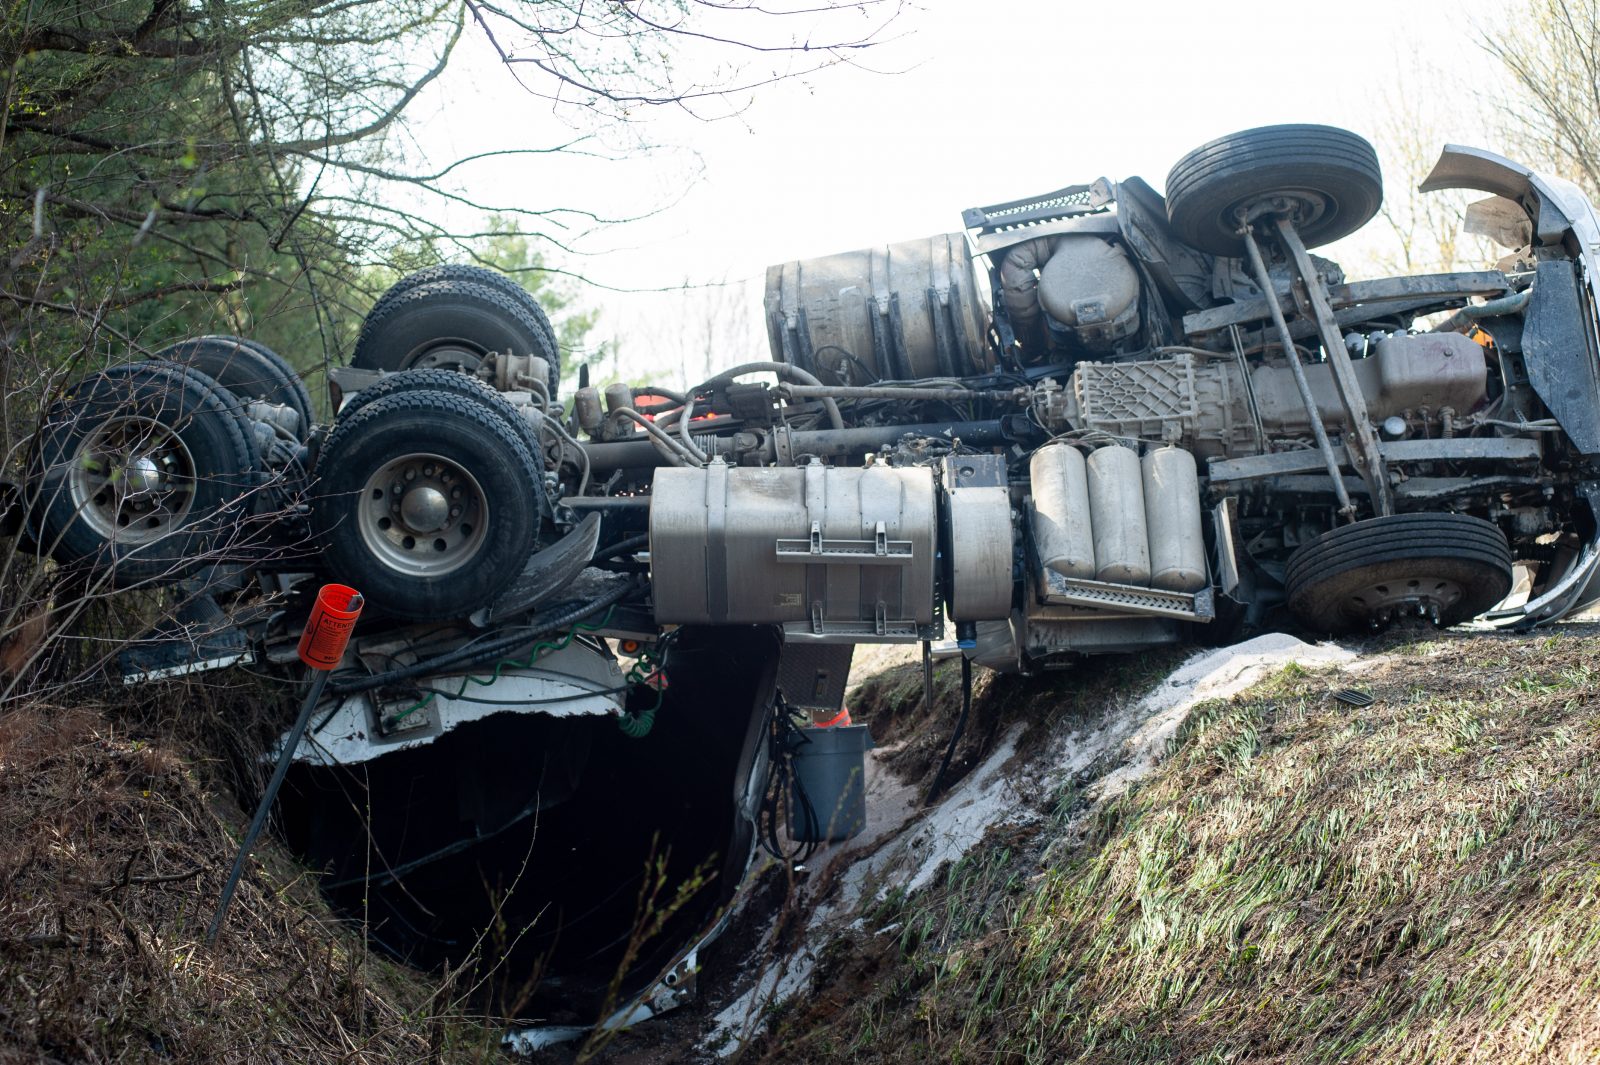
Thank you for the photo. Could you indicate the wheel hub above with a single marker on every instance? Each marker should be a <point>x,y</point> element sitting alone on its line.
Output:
<point>1386,601</point>
<point>141,477</point>
<point>133,480</point>
<point>1302,206</point>
<point>425,509</point>
<point>423,515</point>
<point>447,355</point>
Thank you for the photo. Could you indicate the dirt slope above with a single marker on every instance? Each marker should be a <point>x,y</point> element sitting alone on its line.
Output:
<point>1298,880</point>
<point>1113,874</point>
<point>112,856</point>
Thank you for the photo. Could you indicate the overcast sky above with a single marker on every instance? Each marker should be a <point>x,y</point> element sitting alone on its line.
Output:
<point>988,102</point>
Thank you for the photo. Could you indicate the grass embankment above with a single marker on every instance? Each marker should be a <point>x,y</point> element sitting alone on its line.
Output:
<point>1418,880</point>
<point>112,856</point>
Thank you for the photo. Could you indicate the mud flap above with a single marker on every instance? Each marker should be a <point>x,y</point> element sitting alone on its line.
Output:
<point>546,573</point>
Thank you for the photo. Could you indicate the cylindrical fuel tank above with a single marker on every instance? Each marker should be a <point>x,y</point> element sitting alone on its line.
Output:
<point>1172,513</point>
<point>892,313</point>
<point>1116,508</point>
<point>1062,534</point>
<point>836,551</point>
<point>980,553</point>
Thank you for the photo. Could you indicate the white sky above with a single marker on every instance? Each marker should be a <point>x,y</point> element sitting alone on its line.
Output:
<point>995,100</point>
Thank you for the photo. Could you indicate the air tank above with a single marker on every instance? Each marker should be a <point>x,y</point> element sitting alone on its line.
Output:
<point>1116,508</point>
<point>1061,530</point>
<point>1172,513</point>
<point>618,395</point>
<point>586,407</point>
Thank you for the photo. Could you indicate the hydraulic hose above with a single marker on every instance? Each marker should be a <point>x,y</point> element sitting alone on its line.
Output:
<point>782,369</point>
<point>1512,304</point>
<point>467,656</point>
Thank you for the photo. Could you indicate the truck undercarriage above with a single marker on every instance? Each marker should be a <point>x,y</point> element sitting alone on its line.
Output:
<point>1096,421</point>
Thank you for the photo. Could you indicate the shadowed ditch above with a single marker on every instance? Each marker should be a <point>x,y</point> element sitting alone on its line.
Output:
<point>539,846</point>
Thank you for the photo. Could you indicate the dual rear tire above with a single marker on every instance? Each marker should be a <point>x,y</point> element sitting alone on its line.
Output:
<point>428,500</point>
<point>142,474</point>
<point>450,317</point>
<point>430,492</point>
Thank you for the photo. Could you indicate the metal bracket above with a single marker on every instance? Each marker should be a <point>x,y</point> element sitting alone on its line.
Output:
<point>879,551</point>
<point>1364,453</point>
<point>878,630</point>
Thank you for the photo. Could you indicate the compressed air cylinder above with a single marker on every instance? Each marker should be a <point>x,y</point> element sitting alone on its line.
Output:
<point>1116,512</point>
<point>586,405</point>
<point>618,396</point>
<point>1172,511</point>
<point>1062,534</point>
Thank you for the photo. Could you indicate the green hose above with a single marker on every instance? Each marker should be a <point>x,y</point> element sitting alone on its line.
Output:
<point>637,725</point>
<point>540,648</point>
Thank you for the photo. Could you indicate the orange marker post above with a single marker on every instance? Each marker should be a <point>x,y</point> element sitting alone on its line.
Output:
<point>322,644</point>
<point>328,628</point>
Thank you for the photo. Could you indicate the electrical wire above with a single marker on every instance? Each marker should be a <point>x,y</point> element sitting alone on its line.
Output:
<point>622,547</point>
<point>470,656</point>
<point>394,873</point>
<point>649,669</point>
<point>955,737</point>
<point>540,649</point>
<point>337,706</point>
<point>785,739</point>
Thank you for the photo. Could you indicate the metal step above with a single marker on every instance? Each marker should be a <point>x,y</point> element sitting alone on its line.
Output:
<point>1127,598</point>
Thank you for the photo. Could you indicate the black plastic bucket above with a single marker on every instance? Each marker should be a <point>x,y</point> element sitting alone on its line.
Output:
<point>827,796</point>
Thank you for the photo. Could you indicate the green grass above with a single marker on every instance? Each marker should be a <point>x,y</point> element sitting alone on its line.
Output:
<point>1418,880</point>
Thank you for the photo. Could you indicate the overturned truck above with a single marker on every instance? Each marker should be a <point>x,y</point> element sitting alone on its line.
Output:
<point>1095,421</point>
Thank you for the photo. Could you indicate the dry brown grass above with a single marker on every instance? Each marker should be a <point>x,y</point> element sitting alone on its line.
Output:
<point>112,855</point>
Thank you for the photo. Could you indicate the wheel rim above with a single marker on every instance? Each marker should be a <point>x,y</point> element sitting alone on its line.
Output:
<point>423,515</point>
<point>1387,599</point>
<point>447,355</point>
<point>1305,207</point>
<point>132,480</point>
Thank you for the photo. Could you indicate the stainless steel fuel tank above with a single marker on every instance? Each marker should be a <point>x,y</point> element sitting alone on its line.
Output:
<point>833,554</point>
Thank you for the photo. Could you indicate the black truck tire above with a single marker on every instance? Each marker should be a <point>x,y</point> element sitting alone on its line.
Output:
<point>426,503</point>
<point>1451,566</point>
<point>246,368</point>
<point>452,325</point>
<point>452,381</point>
<point>477,275</point>
<point>1331,172</point>
<point>142,472</point>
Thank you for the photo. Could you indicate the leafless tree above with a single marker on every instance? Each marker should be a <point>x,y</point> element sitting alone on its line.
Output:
<point>1551,51</point>
<point>172,167</point>
<point>1422,231</point>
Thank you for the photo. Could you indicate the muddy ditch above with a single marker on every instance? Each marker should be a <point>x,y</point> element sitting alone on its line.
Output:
<point>1038,755</point>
